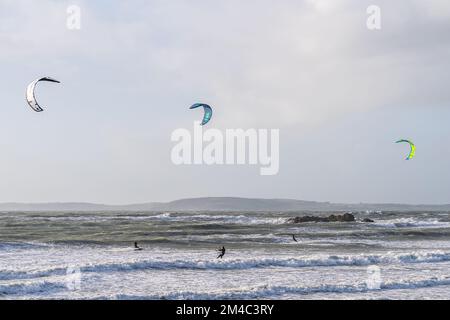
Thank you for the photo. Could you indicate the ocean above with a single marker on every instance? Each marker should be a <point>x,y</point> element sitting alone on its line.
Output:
<point>75,255</point>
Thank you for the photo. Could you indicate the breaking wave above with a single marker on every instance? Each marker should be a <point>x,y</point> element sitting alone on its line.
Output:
<point>237,264</point>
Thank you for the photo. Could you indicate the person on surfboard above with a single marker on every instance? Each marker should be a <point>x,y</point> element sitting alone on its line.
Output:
<point>222,253</point>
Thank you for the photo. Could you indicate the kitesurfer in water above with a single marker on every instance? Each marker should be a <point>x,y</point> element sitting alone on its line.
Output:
<point>222,253</point>
<point>136,247</point>
<point>293,238</point>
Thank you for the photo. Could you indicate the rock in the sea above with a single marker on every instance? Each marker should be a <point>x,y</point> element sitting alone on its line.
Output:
<point>367,220</point>
<point>346,217</point>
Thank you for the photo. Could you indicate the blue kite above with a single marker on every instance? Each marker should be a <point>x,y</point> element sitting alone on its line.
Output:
<point>208,112</point>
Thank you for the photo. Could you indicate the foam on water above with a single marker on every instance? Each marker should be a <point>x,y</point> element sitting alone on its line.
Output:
<point>411,223</point>
<point>235,264</point>
<point>266,292</point>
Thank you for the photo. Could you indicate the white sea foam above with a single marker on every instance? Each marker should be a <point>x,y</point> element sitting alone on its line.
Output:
<point>266,292</point>
<point>215,218</point>
<point>411,223</point>
<point>236,264</point>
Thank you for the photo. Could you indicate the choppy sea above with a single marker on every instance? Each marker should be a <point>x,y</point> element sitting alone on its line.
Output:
<point>70,255</point>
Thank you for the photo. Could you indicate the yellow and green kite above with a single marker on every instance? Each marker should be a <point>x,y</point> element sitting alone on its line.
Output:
<point>412,152</point>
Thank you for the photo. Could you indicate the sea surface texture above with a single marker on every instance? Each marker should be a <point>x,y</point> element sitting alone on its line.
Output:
<point>70,255</point>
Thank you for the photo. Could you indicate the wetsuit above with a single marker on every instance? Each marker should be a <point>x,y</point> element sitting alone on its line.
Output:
<point>222,253</point>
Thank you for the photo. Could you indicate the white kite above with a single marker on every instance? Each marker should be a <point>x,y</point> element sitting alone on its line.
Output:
<point>31,98</point>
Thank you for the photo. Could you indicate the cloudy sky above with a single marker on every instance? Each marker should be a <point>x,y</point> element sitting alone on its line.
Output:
<point>339,93</point>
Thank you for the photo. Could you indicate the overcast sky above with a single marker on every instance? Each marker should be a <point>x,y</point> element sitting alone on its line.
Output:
<point>340,94</point>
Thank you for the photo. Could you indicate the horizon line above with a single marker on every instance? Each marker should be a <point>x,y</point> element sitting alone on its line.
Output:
<point>213,197</point>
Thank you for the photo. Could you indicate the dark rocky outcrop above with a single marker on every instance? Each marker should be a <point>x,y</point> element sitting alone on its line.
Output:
<point>346,217</point>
